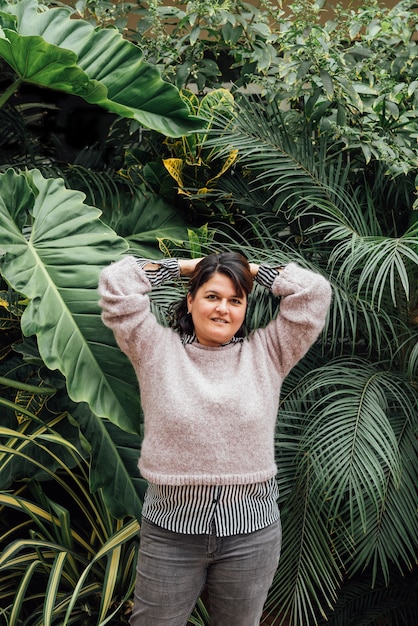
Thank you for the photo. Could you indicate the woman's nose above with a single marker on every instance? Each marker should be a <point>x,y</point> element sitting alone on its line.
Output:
<point>222,306</point>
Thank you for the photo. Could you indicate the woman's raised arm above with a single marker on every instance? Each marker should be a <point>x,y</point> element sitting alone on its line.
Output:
<point>187,266</point>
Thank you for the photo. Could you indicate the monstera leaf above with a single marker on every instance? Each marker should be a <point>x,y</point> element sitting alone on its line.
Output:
<point>46,47</point>
<point>55,263</point>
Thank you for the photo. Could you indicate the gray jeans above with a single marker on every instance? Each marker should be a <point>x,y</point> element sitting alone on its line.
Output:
<point>173,569</point>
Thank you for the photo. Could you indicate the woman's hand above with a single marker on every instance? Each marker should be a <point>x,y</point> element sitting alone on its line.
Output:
<point>187,266</point>
<point>254,267</point>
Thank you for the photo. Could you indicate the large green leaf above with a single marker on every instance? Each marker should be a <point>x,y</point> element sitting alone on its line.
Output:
<point>56,265</point>
<point>113,467</point>
<point>146,220</point>
<point>113,453</point>
<point>50,49</point>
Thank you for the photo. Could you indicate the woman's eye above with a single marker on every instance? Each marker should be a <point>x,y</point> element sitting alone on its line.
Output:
<point>236,301</point>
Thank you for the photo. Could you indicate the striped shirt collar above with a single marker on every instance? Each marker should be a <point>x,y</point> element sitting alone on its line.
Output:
<point>185,339</point>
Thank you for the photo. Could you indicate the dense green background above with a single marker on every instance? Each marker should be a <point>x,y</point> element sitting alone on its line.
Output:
<point>178,130</point>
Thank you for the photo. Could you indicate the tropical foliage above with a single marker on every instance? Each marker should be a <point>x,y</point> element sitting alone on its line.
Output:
<point>46,47</point>
<point>294,140</point>
<point>65,554</point>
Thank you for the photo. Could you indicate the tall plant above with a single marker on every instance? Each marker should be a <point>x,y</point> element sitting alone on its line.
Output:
<point>347,418</point>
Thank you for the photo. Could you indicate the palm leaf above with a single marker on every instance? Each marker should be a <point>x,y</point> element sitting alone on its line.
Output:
<point>361,444</point>
<point>390,537</point>
<point>308,576</point>
<point>295,172</point>
<point>347,479</point>
<point>287,168</point>
<point>360,605</point>
<point>381,265</point>
<point>349,421</point>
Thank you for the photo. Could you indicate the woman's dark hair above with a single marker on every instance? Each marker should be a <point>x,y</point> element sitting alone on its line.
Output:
<point>232,264</point>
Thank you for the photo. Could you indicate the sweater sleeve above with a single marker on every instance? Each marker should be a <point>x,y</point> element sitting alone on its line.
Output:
<point>304,302</point>
<point>123,290</point>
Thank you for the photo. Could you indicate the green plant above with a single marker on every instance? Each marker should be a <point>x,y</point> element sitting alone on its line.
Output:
<point>76,341</point>
<point>64,558</point>
<point>353,75</point>
<point>350,77</point>
<point>63,112</point>
<point>345,444</point>
<point>206,43</point>
<point>45,47</point>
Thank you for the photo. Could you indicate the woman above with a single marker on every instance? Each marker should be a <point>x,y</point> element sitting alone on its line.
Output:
<point>210,396</point>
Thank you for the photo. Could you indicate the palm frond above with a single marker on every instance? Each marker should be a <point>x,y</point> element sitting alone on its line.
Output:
<point>378,265</point>
<point>308,576</point>
<point>288,168</point>
<point>348,420</point>
<point>390,538</point>
<point>355,327</point>
<point>361,605</point>
<point>359,434</point>
<point>316,194</point>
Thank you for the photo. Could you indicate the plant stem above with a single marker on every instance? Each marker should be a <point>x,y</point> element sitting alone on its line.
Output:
<point>25,387</point>
<point>10,91</point>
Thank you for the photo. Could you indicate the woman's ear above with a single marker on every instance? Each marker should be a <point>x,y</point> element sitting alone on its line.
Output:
<point>189,301</point>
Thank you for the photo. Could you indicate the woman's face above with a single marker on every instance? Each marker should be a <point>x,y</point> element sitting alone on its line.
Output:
<point>217,311</point>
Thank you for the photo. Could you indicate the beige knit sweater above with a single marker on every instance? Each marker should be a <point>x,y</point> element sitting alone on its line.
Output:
<point>210,412</point>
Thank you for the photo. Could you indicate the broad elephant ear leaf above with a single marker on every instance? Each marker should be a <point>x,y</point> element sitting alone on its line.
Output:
<point>113,462</point>
<point>55,262</point>
<point>47,48</point>
<point>150,219</point>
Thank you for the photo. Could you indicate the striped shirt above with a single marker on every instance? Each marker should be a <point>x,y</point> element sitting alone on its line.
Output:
<point>202,509</point>
<point>223,509</point>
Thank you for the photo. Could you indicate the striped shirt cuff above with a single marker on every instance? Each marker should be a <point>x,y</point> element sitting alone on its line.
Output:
<point>168,269</point>
<point>266,276</point>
